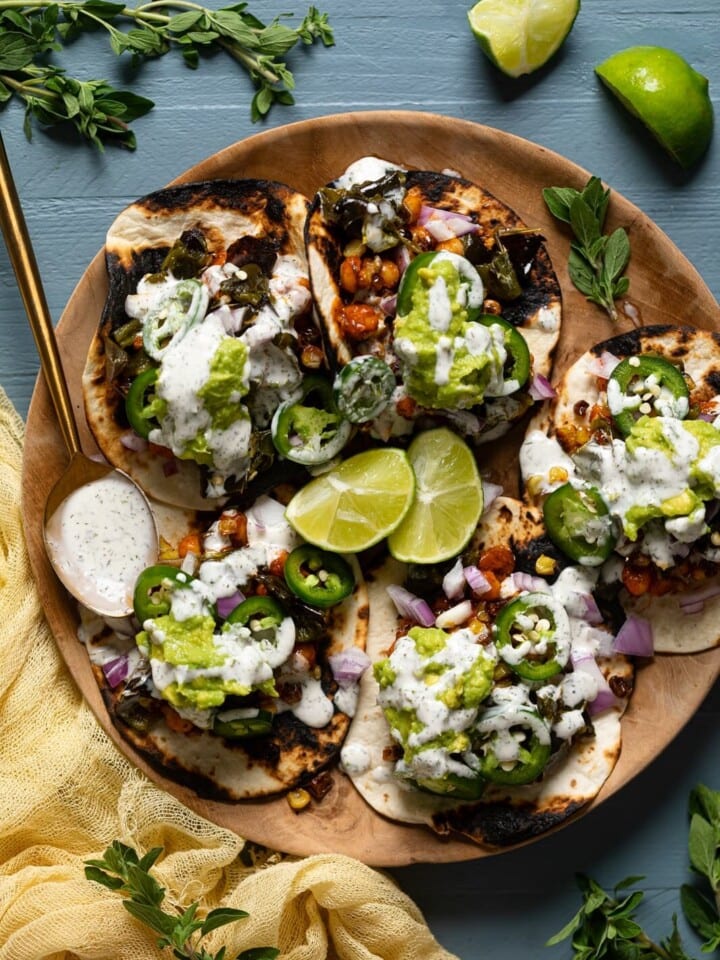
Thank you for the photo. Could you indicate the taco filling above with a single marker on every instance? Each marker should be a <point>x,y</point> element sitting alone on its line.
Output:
<point>206,331</point>
<point>628,467</point>
<point>237,649</point>
<point>436,279</point>
<point>498,686</point>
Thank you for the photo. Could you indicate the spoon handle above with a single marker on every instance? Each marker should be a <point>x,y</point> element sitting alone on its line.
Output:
<point>17,240</point>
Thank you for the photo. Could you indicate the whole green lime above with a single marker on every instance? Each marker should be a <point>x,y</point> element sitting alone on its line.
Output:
<point>671,98</point>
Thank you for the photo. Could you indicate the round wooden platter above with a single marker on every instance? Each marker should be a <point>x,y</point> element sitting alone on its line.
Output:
<point>664,288</point>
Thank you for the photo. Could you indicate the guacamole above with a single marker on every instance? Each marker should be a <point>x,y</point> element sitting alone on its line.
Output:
<point>448,359</point>
<point>431,687</point>
<point>665,469</point>
<point>195,667</point>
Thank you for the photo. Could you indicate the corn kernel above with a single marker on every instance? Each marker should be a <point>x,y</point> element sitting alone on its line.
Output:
<point>558,475</point>
<point>545,565</point>
<point>298,799</point>
<point>534,484</point>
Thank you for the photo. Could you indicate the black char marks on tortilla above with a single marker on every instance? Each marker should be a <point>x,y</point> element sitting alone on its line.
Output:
<point>504,824</point>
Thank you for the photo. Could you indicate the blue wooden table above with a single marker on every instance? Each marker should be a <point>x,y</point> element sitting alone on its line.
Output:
<point>420,55</point>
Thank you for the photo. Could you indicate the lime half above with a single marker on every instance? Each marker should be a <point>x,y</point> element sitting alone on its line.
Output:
<point>356,504</point>
<point>660,87</point>
<point>448,499</point>
<point>519,36</point>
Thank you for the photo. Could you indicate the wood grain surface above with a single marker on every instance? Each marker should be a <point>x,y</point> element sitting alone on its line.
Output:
<point>665,287</point>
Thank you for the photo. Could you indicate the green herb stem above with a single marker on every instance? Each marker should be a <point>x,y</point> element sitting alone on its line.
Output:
<point>31,28</point>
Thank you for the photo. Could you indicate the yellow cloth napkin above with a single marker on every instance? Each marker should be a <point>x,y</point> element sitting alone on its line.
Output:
<point>66,793</point>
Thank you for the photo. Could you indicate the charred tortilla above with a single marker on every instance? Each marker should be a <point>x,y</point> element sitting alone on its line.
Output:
<point>230,222</point>
<point>533,307</point>
<point>677,594</point>
<point>179,743</point>
<point>503,815</point>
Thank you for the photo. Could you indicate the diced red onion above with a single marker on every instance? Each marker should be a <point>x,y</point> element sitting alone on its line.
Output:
<point>454,581</point>
<point>349,665</point>
<point>635,637</point>
<point>449,223</point>
<point>133,441</point>
<point>476,580</point>
<point>691,608</point>
<point>603,365</point>
<point>707,417</point>
<point>526,581</point>
<point>689,601</point>
<point>491,491</point>
<point>410,606</point>
<point>116,670</point>
<point>170,467</point>
<point>584,662</point>
<point>388,305</point>
<point>226,605</point>
<point>603,701</point>
<point>455,615</point>
<point>402,258</point>
<point>592,611</point>
<point>541,388</point>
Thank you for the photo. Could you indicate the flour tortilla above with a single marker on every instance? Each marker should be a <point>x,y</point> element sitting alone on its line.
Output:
<point>232,770</point>
<point>536,312</point>
<point>504,815</point>
<point>136,244</point>
<point>697,352</point>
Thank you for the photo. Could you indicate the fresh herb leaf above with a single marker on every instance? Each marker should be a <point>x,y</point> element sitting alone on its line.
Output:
<point>605,926</point>
<point>701,911</point>
<point>597,261</point>
<point>30,29</point>
<point>121,869</point>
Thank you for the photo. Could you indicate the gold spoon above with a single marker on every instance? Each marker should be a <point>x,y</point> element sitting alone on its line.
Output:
<point>100,577</point>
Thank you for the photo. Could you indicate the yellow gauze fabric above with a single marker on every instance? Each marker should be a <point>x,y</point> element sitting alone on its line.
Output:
<point>66,794</point>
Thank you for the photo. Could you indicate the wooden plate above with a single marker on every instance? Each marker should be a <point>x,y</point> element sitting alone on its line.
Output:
<point>664,288</point>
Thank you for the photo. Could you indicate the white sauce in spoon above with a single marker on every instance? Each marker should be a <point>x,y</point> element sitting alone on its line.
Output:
<point>99,541</point>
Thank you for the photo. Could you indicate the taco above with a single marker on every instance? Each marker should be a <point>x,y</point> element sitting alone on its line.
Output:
<point>206,329</point>
<point>493,706</point>
<point>436,302</point>
<point>237,675</point>
<point>626,460</point>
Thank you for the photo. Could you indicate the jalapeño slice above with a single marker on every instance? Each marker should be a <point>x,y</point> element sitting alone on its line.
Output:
<point>178,311</point>
<point>517,365</point>
<point>646,385</point>
<point>578,523</point>
<point>455,786</point>
<point>413,277</point>
<point>310,430</point>
<point>241,724</point>
<point>139,403</point>
<point>532,636</point>
<point>515,745</point>
<point>154,589</point>
<point>265,610</point>
<point>363,388</point>
<point>318,577</point>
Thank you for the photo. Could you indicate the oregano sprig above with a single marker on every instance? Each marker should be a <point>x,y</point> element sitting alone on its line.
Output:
<point>605,926</point>
<point>597,260</point>
<point>30,29</point>
<point>702,906</point>
<point>122,870</point>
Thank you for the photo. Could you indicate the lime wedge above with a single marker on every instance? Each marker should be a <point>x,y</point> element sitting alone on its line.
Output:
<point>448,499</point>
<point>519,36</point>
<point>660,87</point>
<point>356,504</point>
